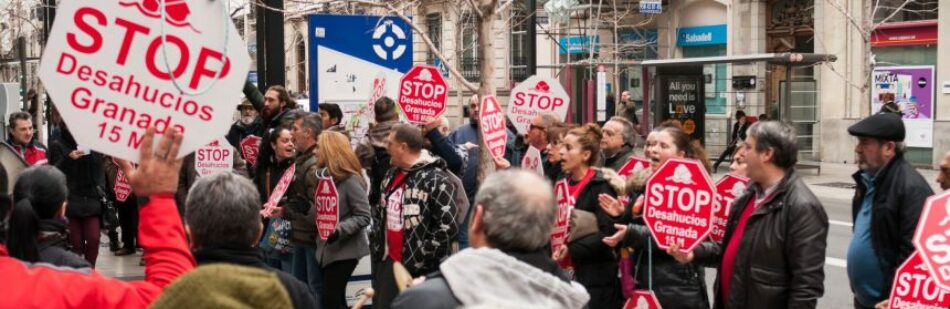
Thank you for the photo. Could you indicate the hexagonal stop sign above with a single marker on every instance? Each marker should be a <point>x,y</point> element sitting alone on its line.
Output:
<point>422,93</point>
<point>932,238</point>
<point>678,207</point>
<point>112,75</point>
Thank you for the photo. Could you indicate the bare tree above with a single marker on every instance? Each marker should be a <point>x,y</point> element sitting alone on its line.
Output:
<point>873,14</point>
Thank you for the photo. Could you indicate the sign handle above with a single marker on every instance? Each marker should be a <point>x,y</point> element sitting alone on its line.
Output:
<point>224,51</point>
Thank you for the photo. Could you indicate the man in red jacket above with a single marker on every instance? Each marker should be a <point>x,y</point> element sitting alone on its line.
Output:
<point>161,233</point>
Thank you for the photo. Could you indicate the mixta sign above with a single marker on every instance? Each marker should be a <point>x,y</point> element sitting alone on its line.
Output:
<point>701,35</point>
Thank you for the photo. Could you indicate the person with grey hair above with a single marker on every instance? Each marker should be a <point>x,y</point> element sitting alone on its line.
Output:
<point>886,206</point>
<point>299,211</point>
<point>222,220</point>
<point>508,265</point>
<point>617,144</point>
<point>775,259</point>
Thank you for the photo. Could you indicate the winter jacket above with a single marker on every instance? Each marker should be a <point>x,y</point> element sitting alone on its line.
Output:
<point>33,153</point>
<point>738,132</point>
<point>351,241</point>
<point>239,131</point>
<point>82,177</point>
<point>300,200</point>
<point>675,285</point>
<point>298,291</point>
<point>781,256</point>
<point>374,158</point>
<point>52,246</point>
<point>443,148</point>
<point>595,264</point>
<point>44,286</point>
<point>617,161</point>
<point>429,216</point>
<point>269,177</point>
<point>898,200</point>
<point>468,133</point>
<point>491,278</point>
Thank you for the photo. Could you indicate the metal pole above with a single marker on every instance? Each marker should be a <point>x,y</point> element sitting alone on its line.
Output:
<point>21,53</point>
<point>531,50</point>
<point>787,103</point>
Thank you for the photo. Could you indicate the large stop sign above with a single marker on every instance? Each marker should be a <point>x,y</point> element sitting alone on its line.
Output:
<point>727,190</point>
<point>914,287</point>
<point>678,207</point>
<point>115,68</point>
<point>932,238</point>
<point>422,93</point>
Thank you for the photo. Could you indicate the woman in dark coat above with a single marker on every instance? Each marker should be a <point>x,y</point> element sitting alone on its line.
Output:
<point>675,285</point>
<point>38,222</point>
<point>595,264</point>
<point>84,174</point>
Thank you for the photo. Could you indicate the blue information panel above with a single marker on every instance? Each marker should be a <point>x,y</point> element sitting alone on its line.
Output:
<point>348,51</point>
<point>701,35</point>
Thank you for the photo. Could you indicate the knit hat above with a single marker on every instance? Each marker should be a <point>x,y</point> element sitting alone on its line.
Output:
<point>225,286</point>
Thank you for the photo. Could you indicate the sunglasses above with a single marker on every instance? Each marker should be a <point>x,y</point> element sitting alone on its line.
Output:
<point>534,126</point>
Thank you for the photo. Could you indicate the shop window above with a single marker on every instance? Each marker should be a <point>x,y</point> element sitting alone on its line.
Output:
<point>518,44</point>
<point>434,30</point>
<point>913,10</point>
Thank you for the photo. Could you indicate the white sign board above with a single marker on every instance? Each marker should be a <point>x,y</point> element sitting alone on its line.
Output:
<point>112,74</point>
<point>534,96</point>
<point>218,156</point>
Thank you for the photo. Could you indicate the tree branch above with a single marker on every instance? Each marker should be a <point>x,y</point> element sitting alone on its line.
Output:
<point>425,38</point>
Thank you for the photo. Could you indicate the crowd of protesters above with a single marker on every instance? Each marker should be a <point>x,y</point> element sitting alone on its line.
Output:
<point>409,197</point>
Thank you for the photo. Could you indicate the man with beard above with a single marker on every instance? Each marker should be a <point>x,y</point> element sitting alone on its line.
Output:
<point>249,124</point>
<point>274,112</point>
<point>886,207</point>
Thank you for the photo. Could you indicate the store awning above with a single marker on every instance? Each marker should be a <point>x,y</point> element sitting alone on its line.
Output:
<point>793,59</point>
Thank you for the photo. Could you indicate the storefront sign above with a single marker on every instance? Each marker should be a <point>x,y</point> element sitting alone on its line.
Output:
<point>651,6</point>
<point>905,34</point>
<point>912,89</point>
<point>578,44</point>
<point>701,35</point>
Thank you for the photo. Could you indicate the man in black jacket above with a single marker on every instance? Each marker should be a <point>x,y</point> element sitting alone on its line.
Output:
<point>508,265</point>
<point>773,252</point>
<point>885,209</point>
<point>738,134</point>
<point>222,221</point>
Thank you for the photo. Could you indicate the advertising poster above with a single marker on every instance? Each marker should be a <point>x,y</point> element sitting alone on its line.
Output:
<point>912,89</point>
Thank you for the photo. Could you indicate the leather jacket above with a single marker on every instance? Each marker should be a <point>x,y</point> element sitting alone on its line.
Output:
<point>781,256</point>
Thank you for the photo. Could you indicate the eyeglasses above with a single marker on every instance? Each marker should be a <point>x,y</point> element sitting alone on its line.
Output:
<point>534,126</point>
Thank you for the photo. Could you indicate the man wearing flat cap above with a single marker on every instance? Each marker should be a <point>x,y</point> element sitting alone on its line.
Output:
<point>887,202</point>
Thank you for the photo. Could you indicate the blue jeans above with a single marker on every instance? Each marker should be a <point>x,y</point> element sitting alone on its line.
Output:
<point>279,261</point>
<point>306,268</point>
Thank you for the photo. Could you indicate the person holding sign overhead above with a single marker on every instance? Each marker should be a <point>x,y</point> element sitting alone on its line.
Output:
<point>342,242</point>
<point>594,263</point>
<point>675,285</point>
<point>773,251</point>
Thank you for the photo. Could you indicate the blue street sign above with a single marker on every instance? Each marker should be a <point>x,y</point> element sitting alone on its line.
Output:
<point>348,51</point>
